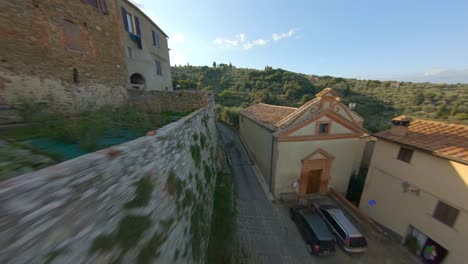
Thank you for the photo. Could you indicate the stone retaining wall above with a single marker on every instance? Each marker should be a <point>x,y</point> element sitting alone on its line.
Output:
<point>175,101</point>
<point>145,201</point>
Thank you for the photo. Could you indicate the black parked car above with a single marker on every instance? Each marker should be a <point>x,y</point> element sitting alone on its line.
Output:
<point>313,229</point>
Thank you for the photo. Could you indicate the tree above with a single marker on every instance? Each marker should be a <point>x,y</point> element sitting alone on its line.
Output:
<point>347,91</point>
<point>214,64</point>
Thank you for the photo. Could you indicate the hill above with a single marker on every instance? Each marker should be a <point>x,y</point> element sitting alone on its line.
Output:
<point>376,101</point>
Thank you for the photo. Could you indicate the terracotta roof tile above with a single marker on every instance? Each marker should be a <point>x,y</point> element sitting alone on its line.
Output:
<point>442,139</point>
<point>267,115</point>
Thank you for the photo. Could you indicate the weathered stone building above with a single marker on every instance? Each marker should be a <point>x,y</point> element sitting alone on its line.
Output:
<point>66,54</point>
<point>146,50</point>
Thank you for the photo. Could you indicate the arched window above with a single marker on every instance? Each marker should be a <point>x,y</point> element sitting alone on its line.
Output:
<point>137,81</point>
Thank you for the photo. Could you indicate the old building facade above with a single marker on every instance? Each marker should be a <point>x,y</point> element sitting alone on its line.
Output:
<point>65,54</point>
<point>146,50</point>
<point>417,186</point>
<point>307,149</point>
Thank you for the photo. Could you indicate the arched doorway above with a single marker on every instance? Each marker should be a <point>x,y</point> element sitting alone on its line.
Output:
<point>137,81</point>
<point>315,173</point>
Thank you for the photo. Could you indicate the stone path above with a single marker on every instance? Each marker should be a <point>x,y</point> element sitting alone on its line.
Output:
<point>261,225</point>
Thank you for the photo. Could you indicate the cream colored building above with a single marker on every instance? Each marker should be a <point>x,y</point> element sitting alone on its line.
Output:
<point>417,186</point>
<point>146,50</point>
<point>306,149</point>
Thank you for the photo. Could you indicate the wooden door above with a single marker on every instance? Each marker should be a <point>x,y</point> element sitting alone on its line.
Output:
<point>313,181</point>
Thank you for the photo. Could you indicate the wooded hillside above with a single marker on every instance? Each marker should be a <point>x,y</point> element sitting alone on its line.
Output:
<point>376,101</point>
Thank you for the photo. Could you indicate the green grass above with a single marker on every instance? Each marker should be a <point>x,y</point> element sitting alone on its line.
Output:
<point>223,224</point>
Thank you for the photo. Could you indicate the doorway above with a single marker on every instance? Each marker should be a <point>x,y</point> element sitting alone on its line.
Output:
<point>313,181</point>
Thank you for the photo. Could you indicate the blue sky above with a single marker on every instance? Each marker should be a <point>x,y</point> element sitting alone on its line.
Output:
<point>375,39</point>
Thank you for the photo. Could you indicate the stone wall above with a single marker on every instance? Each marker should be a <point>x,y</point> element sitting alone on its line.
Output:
<point>175,101</point>
<point>37,64</point>
<point>145,201</point>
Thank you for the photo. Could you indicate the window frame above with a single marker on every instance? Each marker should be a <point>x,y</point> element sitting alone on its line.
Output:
<point>130,52</point>
<point>155,39</point>
<point>131,22</point>
<point>328,128</point>
<point>158,67</point>
<point>100,5</point>
<point>70,38</point>
<point>443,210</point>
<point>405,157</point>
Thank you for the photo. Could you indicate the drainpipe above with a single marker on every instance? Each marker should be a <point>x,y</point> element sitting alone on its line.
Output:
<point>271,160</point>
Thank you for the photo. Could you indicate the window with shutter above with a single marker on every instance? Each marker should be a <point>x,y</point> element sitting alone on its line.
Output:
<point>137,26</point>
<point>72,35</point>
<point>130,24</point>
<point>158,68</point>
<point>405,154</point>
<point>92,3</point>
<point>155,39</point>
<point>445,213</point>
<point>99,4</point>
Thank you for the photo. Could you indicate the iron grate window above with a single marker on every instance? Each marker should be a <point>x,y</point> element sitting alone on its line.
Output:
<point>405,154</point>
<point>445,213</point>
<point>324,129</point>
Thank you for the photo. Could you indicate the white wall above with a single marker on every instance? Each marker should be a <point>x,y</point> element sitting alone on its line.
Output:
<point>259,143</point>
<point>437,179</point>
<point>288,166</point>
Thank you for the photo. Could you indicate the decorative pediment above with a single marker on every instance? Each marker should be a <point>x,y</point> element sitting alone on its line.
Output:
<point>334,117</point>
<point>319,154</point>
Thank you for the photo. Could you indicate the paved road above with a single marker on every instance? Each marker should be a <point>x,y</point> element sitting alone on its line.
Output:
<point>261,225</point>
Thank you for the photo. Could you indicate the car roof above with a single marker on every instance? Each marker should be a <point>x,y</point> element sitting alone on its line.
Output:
<point>344,221</point>
<point>316,223</point>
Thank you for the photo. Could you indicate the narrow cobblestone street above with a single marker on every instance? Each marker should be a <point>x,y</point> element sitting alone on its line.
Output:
<point>260,223</point>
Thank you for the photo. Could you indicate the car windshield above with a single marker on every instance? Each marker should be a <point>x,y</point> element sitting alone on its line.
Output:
<point>357,242</point>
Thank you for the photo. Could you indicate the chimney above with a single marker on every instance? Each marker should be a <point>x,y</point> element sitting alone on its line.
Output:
<point>400,125</point>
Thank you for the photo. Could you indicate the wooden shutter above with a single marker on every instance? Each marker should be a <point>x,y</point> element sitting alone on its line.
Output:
<point>72,35</point>
<point>157,39</point>
<point>154,37</point>
<point>103,6</point>
<point>124,16</point>
<point>137,26</point>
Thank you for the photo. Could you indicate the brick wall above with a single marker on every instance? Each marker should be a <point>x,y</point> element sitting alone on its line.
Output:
<point>35,62</point>
<point>145,201</point>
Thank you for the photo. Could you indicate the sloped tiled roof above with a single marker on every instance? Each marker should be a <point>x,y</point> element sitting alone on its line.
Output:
<point>267,115</point>
<point>442,139</point>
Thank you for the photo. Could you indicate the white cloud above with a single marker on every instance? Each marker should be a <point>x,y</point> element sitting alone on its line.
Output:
<point>435,72</point>
<point>177,57</point>
<point>177,38</point>
<point>280,36</point>
<point>240,41</point>
<point>258,42</point>
<point>230,43</point>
